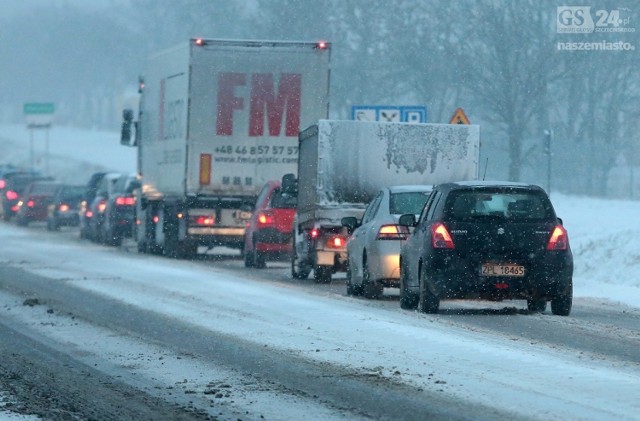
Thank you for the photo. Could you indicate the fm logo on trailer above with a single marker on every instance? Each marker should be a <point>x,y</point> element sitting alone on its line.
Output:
<point>265,99</point>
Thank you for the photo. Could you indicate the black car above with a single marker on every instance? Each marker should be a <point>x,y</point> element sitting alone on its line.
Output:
<point>63,211</point>
<point>86,214</point>
<point>487,240</point>
<point>118,217</point>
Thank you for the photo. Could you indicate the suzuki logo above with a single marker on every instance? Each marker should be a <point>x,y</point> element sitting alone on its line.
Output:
<point>501,230</point>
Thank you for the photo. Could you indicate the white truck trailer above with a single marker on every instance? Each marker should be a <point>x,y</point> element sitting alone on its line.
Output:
<point>342,164</point>
<point>218,119</point>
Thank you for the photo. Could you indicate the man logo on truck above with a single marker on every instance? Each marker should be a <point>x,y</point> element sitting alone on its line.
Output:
<point>263,96</point>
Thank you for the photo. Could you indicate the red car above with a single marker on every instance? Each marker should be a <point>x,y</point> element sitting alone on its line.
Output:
<point>268,235</point>
<point>33,205</point>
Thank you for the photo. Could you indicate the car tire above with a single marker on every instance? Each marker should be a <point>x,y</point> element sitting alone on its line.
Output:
<point>21,222</point>
<point>322,274</point>
<point>372,290</point>
<point>561,303</point>
<point>427,301</point>
<point>248,258</point>
<point>354,290</point>
<point>536,306</point>
<point>408,300</point>
<point>259,259</point>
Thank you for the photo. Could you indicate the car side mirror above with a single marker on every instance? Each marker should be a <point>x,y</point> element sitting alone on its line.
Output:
<point>560,221</point>
<point>127,124</point>
<point>289,185</point>
<point>407,220</point>
<point>349,222</point>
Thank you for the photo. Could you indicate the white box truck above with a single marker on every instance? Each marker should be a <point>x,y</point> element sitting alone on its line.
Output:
<point>342,165</point>
<point>217,119</point>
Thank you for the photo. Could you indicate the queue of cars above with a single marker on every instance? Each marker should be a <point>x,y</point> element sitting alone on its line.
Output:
<point>462,240</point>
<point>103,209</point>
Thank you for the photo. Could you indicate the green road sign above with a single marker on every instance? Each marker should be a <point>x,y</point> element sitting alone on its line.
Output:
<point>38,108</point>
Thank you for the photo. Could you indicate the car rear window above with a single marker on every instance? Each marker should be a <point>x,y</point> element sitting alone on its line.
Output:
<point>510,204</point>
<point>407,202</point>
<point>282,200</point>
<point>73,192</point>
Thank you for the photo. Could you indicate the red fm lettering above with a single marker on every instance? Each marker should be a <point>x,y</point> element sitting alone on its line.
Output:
<point>263,98</point>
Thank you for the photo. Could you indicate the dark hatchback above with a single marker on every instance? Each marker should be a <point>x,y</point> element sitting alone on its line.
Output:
<point>487,240</point>
<point>63,211</point>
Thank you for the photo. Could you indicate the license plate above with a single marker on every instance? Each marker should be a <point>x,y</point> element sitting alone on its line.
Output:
<point>492,269</point>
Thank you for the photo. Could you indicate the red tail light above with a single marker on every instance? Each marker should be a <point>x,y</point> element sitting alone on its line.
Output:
<point>392,232</point>
<point>30,203</point>
<point>265,219</point>
<point>336,242</point>
<point>102,206</point>
<point>11,195</point>
<point>63,207</point>
<point>203,220</point>
<point>440,237</point>
<point>125,201</point>
<point>88,214</point>
<point>559,239</point>
<point>2,184</point>
<point>314,233</point>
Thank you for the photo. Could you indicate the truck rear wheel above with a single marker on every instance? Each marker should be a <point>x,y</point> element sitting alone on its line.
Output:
<point>298,271</point>
<point>322,274</point>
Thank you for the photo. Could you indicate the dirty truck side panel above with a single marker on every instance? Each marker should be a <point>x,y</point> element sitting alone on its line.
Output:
<point>344,163</point>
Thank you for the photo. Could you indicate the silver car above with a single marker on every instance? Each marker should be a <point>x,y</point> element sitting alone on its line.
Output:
<point>374,247</point>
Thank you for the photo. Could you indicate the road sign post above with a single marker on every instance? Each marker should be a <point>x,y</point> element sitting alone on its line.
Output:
<point>39,115</point>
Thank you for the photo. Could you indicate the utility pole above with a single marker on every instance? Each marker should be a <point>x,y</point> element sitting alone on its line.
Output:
<point>548,136</point>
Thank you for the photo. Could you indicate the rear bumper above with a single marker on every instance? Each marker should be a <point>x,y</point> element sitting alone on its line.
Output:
<point>384,263</point>
<point>273,241</point>
<point>217,236</point>
<point>454,277</point>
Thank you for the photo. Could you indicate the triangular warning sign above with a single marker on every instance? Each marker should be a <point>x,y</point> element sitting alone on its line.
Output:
<point>459,117</point>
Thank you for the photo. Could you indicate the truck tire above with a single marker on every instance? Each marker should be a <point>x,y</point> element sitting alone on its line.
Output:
<point>298,271</point>
<point>322,274</point>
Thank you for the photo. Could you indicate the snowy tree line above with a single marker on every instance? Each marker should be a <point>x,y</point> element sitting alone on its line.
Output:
<point>498,60</point>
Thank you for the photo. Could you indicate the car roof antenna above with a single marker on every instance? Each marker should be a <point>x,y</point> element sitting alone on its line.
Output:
<point>485,169</point>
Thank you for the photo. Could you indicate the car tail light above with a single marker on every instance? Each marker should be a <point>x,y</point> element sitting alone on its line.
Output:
<point>336,242</point>
<point>206,220</point>
<point>265,219</point>
<point>155,219</point>
<point>30,203</point>
<point>2,184</point>
<point>314,233</point>
<point>102,206</point>
<point>11,195</point>
<point>125,201</point>
<point>88,214</point>
<point>559,239</point>
<point>392,232</point>
<point>440,237</point>
<point>63,207</point>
